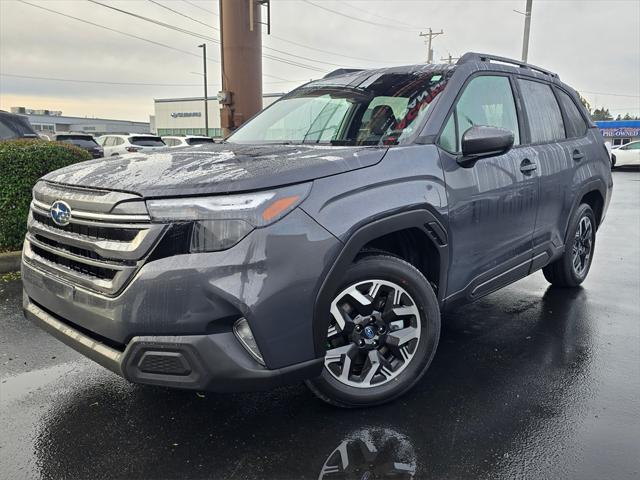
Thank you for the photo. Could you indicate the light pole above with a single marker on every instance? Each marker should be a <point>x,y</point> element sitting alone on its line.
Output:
<point>527,29</point>
<point>206,106</point>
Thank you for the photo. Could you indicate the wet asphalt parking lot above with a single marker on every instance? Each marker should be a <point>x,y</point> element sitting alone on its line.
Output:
<point>529,382</point>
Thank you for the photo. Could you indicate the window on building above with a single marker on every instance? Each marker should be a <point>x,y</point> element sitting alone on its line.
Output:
<point>576,126</point>
<point>487,100</point>
<point>543,112</point>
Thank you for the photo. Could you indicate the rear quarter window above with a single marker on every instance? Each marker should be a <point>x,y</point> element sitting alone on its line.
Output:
<point>78,140</point>
<point>147,141</point>
<point>575,126</point>
<point>542,111</point>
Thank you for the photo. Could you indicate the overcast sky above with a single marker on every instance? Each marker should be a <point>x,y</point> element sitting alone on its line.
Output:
<point>593,45</point>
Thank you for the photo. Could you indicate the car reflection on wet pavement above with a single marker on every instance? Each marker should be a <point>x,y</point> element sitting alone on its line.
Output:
<point>529,382</point>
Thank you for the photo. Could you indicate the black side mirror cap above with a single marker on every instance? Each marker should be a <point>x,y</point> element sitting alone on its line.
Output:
<point>482,141</point>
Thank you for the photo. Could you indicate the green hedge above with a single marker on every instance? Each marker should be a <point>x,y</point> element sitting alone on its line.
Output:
<point>22,163</point>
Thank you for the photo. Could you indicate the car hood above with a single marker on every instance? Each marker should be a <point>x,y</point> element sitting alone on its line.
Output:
<point>215,168</point>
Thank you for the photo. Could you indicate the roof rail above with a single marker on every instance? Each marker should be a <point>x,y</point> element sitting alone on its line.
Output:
<point>483,57</point>
<point>342,71</point>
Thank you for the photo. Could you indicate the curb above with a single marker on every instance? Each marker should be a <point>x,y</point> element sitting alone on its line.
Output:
<point>10,261</point>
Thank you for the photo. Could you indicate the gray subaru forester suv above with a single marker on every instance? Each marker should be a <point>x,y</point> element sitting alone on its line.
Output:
<point>323,239</point>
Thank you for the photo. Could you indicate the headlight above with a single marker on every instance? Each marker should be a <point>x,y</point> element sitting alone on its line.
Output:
<point>219,222</point>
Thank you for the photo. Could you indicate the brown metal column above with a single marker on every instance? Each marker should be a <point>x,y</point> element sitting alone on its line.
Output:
<point>241,54</point>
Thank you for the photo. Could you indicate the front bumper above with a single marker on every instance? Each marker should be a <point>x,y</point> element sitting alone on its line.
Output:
<point>214,362</point>
<point>185,306</point>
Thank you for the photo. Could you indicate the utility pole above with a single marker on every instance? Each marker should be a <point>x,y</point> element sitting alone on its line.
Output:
<point>241,55</point>
<point>430,35</point>
<point>527,28</point>
<point>206,105</point>
<point>449,59</point>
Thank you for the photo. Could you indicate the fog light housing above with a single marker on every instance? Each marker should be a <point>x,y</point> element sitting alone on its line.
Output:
<point>244,335</point>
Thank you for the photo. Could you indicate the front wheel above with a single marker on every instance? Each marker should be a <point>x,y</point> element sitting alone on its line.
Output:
<point>572,268</point>
<point>383,333</point>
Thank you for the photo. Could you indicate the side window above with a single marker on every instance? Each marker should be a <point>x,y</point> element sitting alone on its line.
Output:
<point>118,141</point>
<point>108,142</point>
<point>543,112</point>
<point>633,146</point>
<point>487,100</point>
<point>576,126</point>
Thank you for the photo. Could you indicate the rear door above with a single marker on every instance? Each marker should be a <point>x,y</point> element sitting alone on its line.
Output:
<point>492,205</point>
<point>561,144</point>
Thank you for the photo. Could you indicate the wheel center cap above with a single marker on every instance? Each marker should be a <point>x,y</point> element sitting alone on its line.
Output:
<point>368,332</point>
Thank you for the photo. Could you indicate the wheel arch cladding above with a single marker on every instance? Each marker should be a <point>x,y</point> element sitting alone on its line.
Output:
<point>595,200</point>
<point>414,225</point>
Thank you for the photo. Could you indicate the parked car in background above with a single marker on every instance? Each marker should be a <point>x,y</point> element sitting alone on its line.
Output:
<point>628,154</point>
<point>82,140</point>
<point>15,126</point>
<point>322,240</point>
<point>129,143</point>
<point>186,141</point>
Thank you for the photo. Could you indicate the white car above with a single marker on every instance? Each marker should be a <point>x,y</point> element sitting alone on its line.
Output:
<point>628,154</point>
<point>185,141</point>
<point>131,143</point>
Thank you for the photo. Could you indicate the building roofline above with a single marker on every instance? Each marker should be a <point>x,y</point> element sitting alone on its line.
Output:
<point>79,118</point>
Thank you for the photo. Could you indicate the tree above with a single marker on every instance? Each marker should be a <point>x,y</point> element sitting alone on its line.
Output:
<point>585,103</point>
<point>600,114</point>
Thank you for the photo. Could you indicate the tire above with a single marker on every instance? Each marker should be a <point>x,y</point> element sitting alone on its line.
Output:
<point>406,327</point>
<point>563,272</point>
<point>613,162</point>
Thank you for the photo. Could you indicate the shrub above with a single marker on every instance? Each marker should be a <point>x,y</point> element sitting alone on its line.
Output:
<point>22,163</point>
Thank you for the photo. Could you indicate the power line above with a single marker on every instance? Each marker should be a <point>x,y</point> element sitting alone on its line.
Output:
<point>182,14</point>
<point>610,94</point>
<point>146,84</point>
<point>116,31</point>
<point>186,52</point>
<point>362,20</point>
<point>201,8</point>
<point>103,82</point>
<point>156,22</point>
<point>214,40</point>
<point>265,47</point>
<point>291,42</point>
<point>371,14</point>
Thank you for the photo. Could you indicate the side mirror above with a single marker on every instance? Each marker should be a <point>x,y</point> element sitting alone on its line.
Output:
<point>482,141</point>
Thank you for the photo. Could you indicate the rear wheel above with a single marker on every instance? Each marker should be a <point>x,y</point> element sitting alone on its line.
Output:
<point>572,268</point>
<point>383,332</point>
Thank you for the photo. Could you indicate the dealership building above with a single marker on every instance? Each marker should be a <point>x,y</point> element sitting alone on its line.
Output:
<point>185,116</point>
<point>620,132</point>
<point>51,122</point>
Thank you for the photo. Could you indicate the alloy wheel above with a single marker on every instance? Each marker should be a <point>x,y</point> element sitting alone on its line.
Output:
<point>582,246</point>
<point>373,333</point>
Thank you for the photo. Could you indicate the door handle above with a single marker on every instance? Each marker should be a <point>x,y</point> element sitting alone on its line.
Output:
<point>527,166</point>
<point>578,155</point>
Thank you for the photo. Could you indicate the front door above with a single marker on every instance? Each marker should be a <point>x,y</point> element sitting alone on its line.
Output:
<point>492,205</point>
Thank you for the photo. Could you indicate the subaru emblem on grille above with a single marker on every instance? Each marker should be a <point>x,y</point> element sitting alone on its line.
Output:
<point>60,213</point>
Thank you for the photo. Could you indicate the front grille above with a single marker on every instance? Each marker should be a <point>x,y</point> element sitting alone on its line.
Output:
<point>90,270</point>
<point>118,235</point>
<point>98,250</point>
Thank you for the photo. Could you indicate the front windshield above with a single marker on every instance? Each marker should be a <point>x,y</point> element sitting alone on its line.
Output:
<point>382,109</point>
